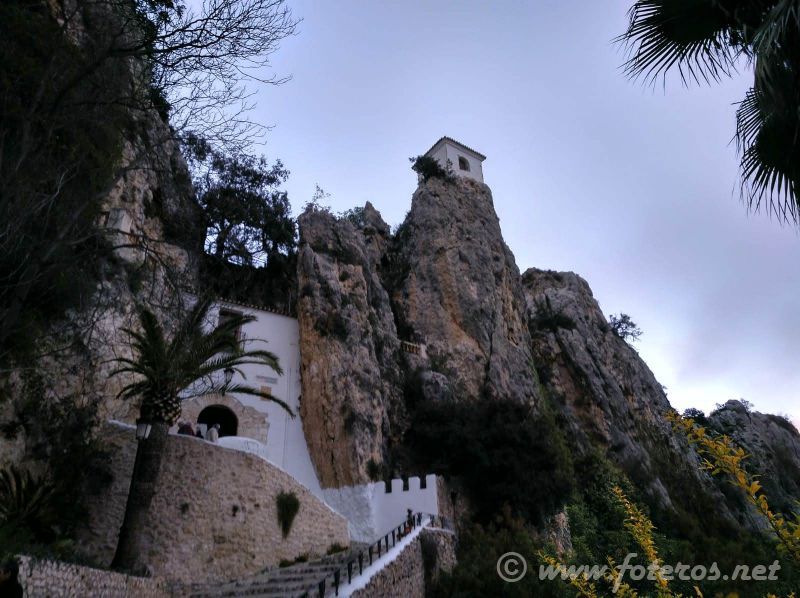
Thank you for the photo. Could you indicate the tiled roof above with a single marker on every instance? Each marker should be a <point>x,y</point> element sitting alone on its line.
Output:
<point>255,306</point>
<point>458,143</point>
<point>220,299</point>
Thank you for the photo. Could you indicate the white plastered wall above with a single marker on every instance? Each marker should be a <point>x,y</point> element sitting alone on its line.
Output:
<point>286,442</point>
<point>373,512</point>
<point>445,151</point>
<point>475,167</point>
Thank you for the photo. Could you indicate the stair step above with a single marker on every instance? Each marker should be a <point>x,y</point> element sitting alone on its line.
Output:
<point>292,581</point>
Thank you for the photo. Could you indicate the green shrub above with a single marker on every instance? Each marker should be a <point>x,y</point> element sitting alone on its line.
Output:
<point>547,318</point>
<point>429,168</point>
<point>355,216</point>
<point>59,443</point>
<point>62,120</point>
<point>288,506</point>
<point>374,470</point>
<point>624,327</point>
<point>504,452</point>
<point>480,547</point>
<point>26,502</point>
<point>335,548</point>
<point>303,558</point>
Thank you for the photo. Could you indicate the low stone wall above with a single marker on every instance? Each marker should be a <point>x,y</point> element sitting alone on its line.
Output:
<point>98,539</point>
<point>406,575</point>
<point>214,514</point>
<point>54,579</point>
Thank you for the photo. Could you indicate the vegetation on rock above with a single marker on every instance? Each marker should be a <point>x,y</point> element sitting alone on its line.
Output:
<point>288,506</point>
<point>721,456</point>
<point>505,454</point>
<point>429,168</point>
<point>624,327</point>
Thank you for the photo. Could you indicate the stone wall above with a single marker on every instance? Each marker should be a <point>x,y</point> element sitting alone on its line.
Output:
<point>441,550</point>
<point>98,539</point>
<point>406,575</point>
<point>64,580</point>
<point>214,515</point>
<point>251,422</point>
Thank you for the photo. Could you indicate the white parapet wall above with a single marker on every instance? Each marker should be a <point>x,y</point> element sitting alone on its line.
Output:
<point>372,511</point>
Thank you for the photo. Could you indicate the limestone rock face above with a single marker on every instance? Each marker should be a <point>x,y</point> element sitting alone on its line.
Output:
<point>439,303</point>
<point>349,346</point>
<point>456,288</point>
<point>608,395</point>
<point>155,232</point>
<point>152,223</point>
<point>439,311</point>
<point>773,446</point>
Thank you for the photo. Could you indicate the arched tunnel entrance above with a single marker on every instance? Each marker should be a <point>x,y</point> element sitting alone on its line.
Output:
<point>219,414</point>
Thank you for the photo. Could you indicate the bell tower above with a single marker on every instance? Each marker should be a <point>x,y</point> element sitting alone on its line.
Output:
<point>463,160</point>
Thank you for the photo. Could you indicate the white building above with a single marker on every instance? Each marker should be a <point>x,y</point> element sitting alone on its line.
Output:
<point>260,426</point>
<point>279,437</point>
<point>463,160</point>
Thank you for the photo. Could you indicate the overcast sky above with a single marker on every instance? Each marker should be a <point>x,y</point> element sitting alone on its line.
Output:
<point>632,188</point>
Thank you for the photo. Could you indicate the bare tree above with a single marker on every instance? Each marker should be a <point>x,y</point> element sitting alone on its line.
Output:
<point>199,62</point>
<point>72,72</point>
<point>203,61</point>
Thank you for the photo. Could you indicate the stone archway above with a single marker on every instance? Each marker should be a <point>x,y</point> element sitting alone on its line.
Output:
<point>219,414</point>
<point>251,423</point>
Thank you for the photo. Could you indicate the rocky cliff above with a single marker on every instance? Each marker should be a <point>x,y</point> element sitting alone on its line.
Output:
<point>150,231</point>
<point>440,303</point>
<point>606,392</point>
<point>456,288</point>
<point>350,350</point>
<point>773,447</point>
<point>441,309</point>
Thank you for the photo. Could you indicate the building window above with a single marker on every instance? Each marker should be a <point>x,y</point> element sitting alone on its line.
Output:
<point>227,314</point>
<point>463,163</point>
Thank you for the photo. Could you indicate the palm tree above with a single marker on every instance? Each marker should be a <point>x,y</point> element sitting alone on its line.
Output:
<point>168,371</point>
<point>705,40</point>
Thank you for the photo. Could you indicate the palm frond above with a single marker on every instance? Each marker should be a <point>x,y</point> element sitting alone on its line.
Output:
<point>191,327</point>
<point>233,360</point>
<point>690,35</point>
<point>24,499</point>
<point>134,389</point>
<point>778,26</point>
<point>768,140</point>
<point>249,390</point>
<point>166,369</point>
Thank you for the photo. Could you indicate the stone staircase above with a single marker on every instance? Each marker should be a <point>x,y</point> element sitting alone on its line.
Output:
<point>302,579</point>
<point>284,582</point>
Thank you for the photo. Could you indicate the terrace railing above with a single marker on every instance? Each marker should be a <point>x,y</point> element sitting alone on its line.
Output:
<point>356,565</point>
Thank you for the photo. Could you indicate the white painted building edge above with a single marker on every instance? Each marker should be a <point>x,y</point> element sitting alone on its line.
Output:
<point>372,512</point>
<point>286,444</point>
<point>447,151</point>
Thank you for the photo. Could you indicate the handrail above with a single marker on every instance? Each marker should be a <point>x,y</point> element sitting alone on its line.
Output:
<point>382,547</point>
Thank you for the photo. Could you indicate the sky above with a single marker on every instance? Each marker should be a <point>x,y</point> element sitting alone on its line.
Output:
<point>632,187</point>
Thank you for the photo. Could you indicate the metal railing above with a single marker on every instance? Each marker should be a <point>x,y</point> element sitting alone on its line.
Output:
<point>356,565</point>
